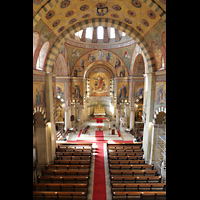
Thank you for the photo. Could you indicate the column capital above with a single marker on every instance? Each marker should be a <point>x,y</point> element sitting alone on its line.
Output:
<point>149,74</point>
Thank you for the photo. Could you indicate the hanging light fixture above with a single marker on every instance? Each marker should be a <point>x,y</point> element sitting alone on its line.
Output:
<point>101,9</point>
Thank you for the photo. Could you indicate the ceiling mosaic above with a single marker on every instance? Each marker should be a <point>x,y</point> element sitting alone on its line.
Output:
<point>58,15</point>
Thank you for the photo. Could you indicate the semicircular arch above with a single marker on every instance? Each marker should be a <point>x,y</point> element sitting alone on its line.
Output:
<point>135,35</point>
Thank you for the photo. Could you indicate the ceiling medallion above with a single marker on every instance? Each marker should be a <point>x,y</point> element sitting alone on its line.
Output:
<point>84,7</point>
<point>136,3</point>
<point>116,7</point>
<point>101,9</point>
<point>65,4</point>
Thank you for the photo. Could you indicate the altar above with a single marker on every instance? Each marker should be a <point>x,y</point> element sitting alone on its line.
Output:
<point>99,111</point>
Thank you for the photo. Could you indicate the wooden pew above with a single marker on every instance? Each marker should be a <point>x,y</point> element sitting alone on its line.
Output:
<point>72,162</point>
<point>73,153</point>
<point>141,194</point>
<point>73,157</point>
<point>125,150</point>
<point>65,172</point>
<point>57,195</point>
<point>125,157</point>
<point>75,146</point>
<point>127,166</point>
<point>136,179</point>
<point>67,167</point>
<point>124,147</point>
<point>125,153</point>
<point>133,172</point>
<point>60,187</point>
<point>63,179</point>
<point>72,150</point>
<point>119,162</point>
<point>138,186</point>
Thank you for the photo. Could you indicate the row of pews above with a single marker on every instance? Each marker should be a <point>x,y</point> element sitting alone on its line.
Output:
<point>130,177</point>
<point>68,177</point>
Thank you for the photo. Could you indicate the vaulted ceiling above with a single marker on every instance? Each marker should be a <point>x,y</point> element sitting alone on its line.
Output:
<point>53,18</point>
<point>142,15</point>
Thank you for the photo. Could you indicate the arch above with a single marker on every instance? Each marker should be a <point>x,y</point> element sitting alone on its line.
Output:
<point>131,32</point>
<point>139,97</point>
<point>60,60</point>
<point>101,63</point>
<point>36,40</point>
<point>42,56</point>
<point>42,111</point>
<point>159,109</point>
<point>139,62</point>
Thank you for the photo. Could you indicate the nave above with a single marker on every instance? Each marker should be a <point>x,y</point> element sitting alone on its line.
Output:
<point>99,169</point>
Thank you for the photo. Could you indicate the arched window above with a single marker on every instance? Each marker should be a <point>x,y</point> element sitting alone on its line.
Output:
<point>36,38</point>
<point>42,56</point>
<point>89,32</point>
<point>100,32</point>
<point>112,32</point>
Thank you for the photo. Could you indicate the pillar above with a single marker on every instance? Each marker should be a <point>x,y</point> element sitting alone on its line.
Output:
<point>50,114</point>
<point>117,116</point>
<point>42,146</point>
<point>132,117</point>
<point>67,118</point>
<point>81,114</point>
<point>149,115</point>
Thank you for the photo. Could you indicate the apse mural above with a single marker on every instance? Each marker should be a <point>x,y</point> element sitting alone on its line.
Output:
<point>83,61</point>
<point>99,83</point>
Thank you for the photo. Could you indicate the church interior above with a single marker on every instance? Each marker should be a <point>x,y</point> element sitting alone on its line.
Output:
<point>99,99</point>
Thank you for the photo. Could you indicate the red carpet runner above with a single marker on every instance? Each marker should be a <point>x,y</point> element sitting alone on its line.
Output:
<point>99,185</point>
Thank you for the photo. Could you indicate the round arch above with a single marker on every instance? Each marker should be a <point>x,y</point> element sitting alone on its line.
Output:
<point>42,111</point>
<point>139,58</point>
<point>135,35</point>
<point>101,63</point>
<point>159,109</point>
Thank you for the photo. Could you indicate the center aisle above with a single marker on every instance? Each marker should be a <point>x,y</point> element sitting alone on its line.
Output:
<point>99,184</point>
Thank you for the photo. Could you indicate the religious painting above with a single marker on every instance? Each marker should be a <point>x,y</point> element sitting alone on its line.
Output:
<point>99,83</point>
<point>77,92</point>
<point>77,71</point>
<point>60,90</point>
<point>160,94</point>
<point>122,92</point>
<point>39,97</point>
<point>139,89</point>
<point>121,71</point>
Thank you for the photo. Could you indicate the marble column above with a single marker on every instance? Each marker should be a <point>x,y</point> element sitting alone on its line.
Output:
<point>117,116</point>
<point>42,146</point>
<point>80,109</point>
<point>150,97</point>
<point>67,118</point>
<point>132,117</point>
<point>50,113</point>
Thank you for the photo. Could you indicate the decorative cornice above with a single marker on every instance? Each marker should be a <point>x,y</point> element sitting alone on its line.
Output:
<point>97,46</point>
